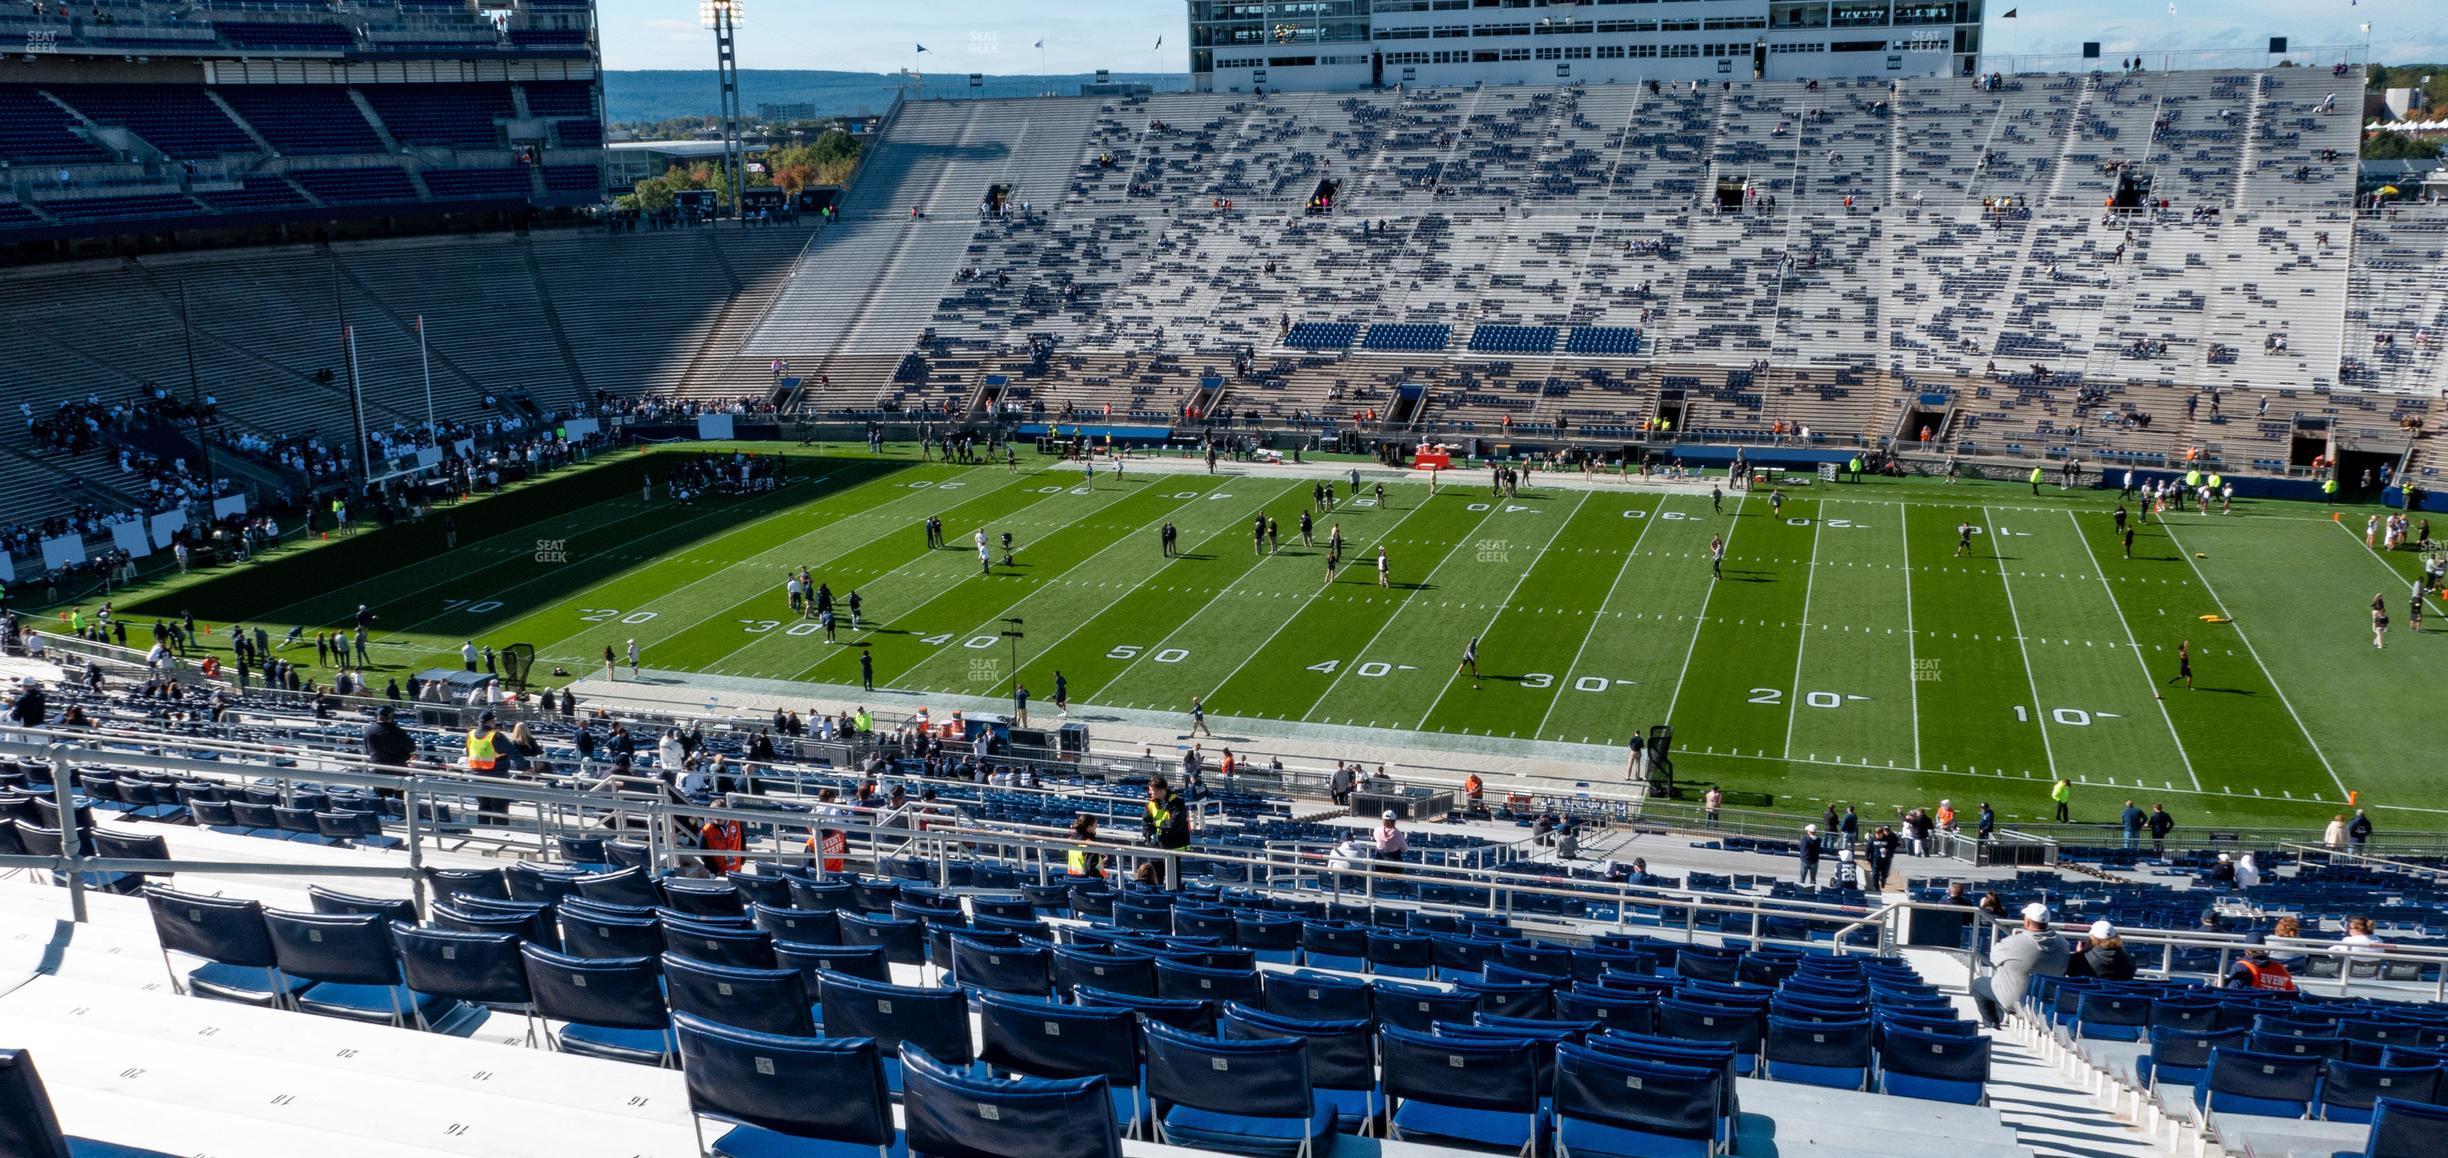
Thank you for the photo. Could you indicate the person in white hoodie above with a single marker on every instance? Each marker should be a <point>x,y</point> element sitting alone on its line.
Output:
<point>2248,873</point>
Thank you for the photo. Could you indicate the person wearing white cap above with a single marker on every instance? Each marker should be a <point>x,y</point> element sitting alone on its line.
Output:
<point>1810,855</point>
<point>1390,843</point>
<point>2102,954</point>
<point>2036,949</point>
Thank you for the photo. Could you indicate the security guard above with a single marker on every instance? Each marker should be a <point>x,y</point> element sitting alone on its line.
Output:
<point>1167,822</point>
<point>484,745</point>
<point>1081,862</point>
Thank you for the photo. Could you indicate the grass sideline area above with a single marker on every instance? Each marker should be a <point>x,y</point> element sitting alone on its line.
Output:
<point>1848,653</point>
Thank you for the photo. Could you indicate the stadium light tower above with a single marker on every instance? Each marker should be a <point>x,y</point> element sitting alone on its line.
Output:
<point>723,17</point>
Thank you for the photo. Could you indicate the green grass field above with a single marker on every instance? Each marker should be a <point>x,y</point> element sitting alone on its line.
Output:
<point>1847,654</point>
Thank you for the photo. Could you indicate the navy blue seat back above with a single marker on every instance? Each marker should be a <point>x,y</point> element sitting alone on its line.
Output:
<point>806,926</point>
<point>701,898</point>
<point>535,882</point>
<point>215,928</point>
<point>997,968</point>
<point>1181,1012</point>
<point>628,886</point>
<point>936,1020</point>
<point>2242,1081</point>
<point>1315,996</point>
<point>1509,998</point>
<point>1034,1036</point>
<point>1419,1008</point>
<point>451,882</point>
<point>1475,1073</point>
<point>903,942</point>
<point>765,1000</point>
<point>484,968</point>
<point>336,948</point>
<point>807,894</point>
<point>2350,1090</point>
<point>587,933</point>
<point>2403,1129</point>
<point>1256,1079</point>
<point>28,1127</point>
<point>1174,979</point>
<point>862,961</point>
<point>949,1113</point>
<point>718,944</point>
<point>1342,1052</point>
<point>1612,1008</point>
<point>767,1081</point>
<point>1645,1097</point>
<point>617,992</point>
<point>388,908</point>
<point>760,888</point>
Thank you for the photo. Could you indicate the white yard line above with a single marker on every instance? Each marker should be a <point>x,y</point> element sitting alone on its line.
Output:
<point>1700,621</point>
<point>1287,620</point>
<point>1912,661</point>
<point>2377,557</point>
<point>1647,521</point>
<point>1978,775</point>
<point>1997,550</point>
<point>756,561</point>
<point>1218,533</point>
<point>1810,575</point>
<point>1129,537</point>
<point>1501,604</point>
<point>2130,642</point>
<point>1459,542</point>
<point>2246,640</point>
<point>1227,589</point>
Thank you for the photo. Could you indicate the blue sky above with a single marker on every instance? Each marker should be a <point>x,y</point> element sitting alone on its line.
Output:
<point>965,36</point>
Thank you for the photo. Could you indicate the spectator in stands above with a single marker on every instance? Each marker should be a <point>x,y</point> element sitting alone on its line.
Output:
<point>2036,950</point>
<point>1809,874</point>
<point>2247,872</point>
<point>2333,837</point>
<point>2131,821</point>
<point>2359,830</point>
<point>388,744</point>
<point>2160,824</point>
<point>1390,842</point>
<point>1166,822</point>
<point>2102,954</point>
<point>2255,970</point>
<point>29,709</point>
<point>1883,844</point>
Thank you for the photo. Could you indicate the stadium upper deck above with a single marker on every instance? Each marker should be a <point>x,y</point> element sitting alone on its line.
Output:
<point>132,116</point>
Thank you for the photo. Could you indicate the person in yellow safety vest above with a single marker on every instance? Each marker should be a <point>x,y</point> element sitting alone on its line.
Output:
<point>866,721</point>
<point>1167,823</point>
<point>2192,480</point>
<point>2035,480</point>
<point>483,745</point>
<point>2329,490</point>
<point>1081,862</point>
<point>2063,794</point>
<point>76,621</point>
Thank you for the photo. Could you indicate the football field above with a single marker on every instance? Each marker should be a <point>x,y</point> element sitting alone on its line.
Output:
<point>1853,648</point>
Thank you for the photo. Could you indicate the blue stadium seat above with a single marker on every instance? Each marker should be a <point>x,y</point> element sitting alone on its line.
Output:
<point>953,1113</point>
<point>1613,1008</point>
<point>717,943</point>
<point>1472,1092</point>
<point>1916,1063</point>
<point>903,942</point>
<point>935,1020</point>
<point>1819,1053</point>
<point>586,932</point>
<point>1608,1106</point>
<point>2112,1016</point>
<point>763,1000</point>
<point>1069,966</point>
<point>1342,1056</point>
<point>610,1007</point>
<point>806,926</point>
<point>2404,1129</point>
<point>1419,1008</point>
<point>1315,996</point>
<point>353,967</point>
<point>475,969</point>
<point>1242,1097</point>
<point>695,897</point>
<point>761,1083</point>
<point>2267,1085</point>
<point>2179,1057</point>
<point>865,962</point>
<point>629,886</point>
<point>447,883</point>
<point>1405,955</point>
<point>834,895</point>
<point>240,964</point>
<point>1180,1012</point>
<point>977,964</point>
<point>2349,1090</point>
<point>1199,983</point>
<point>1044,1039</point>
